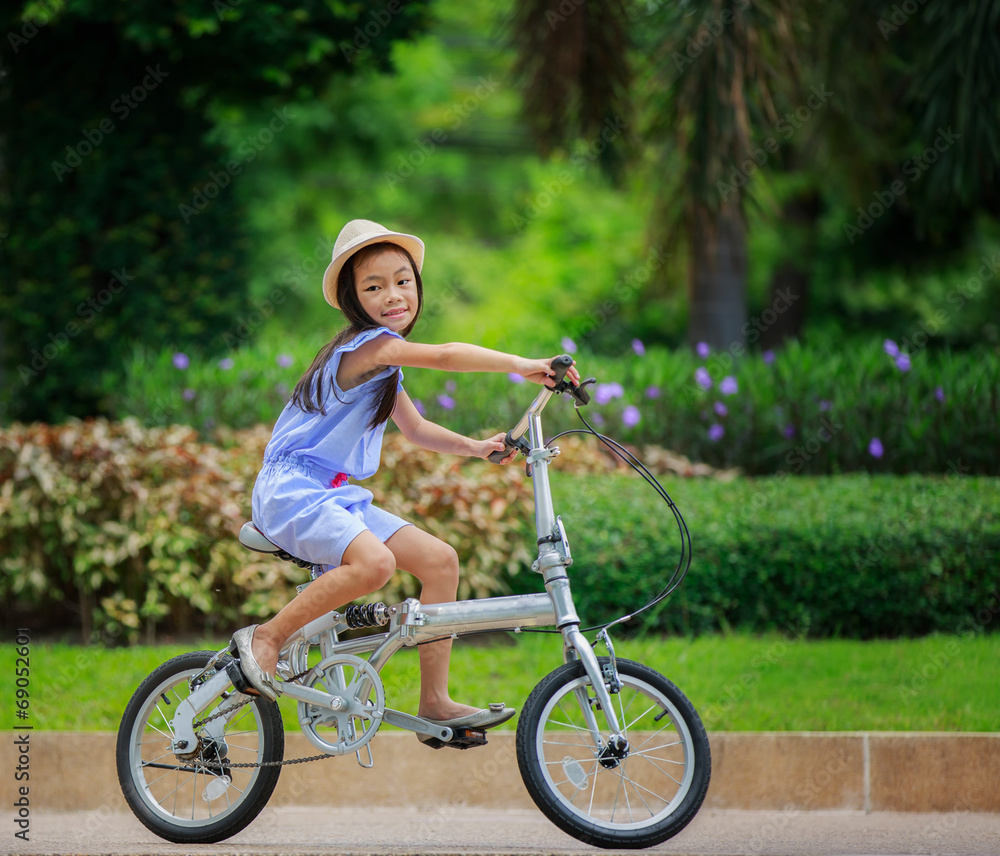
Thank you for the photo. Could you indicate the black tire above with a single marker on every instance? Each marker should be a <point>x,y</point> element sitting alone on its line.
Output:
<point>643,799</point>
<point>170,799</point>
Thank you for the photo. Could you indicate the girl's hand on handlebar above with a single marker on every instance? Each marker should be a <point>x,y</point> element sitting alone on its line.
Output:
<point>541,371</point>
<point>495,444</point>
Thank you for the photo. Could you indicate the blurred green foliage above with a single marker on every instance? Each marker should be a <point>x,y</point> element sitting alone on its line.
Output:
<point>801,410</point>
<point>423,134</point>
<point>120,216</point>
<point>848,556</point>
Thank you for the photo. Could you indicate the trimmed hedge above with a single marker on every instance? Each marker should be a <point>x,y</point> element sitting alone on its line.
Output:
<point>121,530</point>
<point>853,556</point>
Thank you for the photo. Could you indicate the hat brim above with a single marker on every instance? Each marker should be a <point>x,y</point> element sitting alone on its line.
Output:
<point>411,243</point>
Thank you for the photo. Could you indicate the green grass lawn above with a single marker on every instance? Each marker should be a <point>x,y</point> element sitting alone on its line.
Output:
<point>737,682</point>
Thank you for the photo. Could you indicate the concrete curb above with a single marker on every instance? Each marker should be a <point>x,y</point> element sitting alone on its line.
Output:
<point>781,771</point>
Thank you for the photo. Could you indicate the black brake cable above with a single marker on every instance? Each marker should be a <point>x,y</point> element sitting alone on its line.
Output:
<point>683,561</point>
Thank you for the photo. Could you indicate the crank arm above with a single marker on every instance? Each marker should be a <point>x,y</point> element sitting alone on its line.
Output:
<point>417,724</point>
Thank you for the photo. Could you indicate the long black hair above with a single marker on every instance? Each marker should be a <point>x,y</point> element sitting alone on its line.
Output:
<point>308,393</point>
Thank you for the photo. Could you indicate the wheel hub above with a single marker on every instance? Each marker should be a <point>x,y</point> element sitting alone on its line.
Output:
<point>614,752</point>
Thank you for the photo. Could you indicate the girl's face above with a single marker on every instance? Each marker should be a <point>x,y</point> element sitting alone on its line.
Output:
<point>387,290</point>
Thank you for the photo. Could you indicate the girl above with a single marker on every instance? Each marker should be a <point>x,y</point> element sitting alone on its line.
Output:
<point>331,430</point>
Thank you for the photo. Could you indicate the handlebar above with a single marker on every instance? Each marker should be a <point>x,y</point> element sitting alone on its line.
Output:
<point>514,438</point>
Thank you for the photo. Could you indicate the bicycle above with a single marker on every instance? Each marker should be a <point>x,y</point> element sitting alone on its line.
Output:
<point>610,750</point>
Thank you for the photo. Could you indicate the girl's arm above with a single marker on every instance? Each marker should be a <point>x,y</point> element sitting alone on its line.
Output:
<point>437,438</point>
<point>384,351</point>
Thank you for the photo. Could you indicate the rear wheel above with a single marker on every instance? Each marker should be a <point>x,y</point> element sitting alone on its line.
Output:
<point>625,797</point>
<point>201,797</point>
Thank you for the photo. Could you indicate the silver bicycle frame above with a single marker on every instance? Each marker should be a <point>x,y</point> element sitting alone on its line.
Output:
<point>412,622</point>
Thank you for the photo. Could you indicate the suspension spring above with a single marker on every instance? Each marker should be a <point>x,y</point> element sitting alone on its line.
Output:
<point>367,615</point>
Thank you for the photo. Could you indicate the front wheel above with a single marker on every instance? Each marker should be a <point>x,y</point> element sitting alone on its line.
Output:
<point>203,797</point>
<point>622,797</point>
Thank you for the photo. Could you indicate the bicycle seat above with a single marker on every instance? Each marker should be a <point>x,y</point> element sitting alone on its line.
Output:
<point>253,539</point>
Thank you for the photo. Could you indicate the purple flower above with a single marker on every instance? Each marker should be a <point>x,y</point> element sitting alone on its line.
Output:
<point>638,347</point>
<point>720,408</point>
<point>568,345</point>
<point>450,385</point>
<point>652,392</point>
<point>939,393</point>
<point>188,394</point>
<point>789,431</point>
<point>181,361</point>
<point>417,403</point>
<point>875,448</point>
<point>715,432</point>
<point>891,348</point>
<point>703,349</point>
<point>597,419</point>
<point>728,386</point>
<point>824,405</point>
<point>446,401</point>
<point>703,378</point>
<point>605,392</point>
<point>226,363</point>
<point>903,362</point>
<point>631,416</point>
<point>513,377</point>
<point>768,356</point>
<point>284,360</point>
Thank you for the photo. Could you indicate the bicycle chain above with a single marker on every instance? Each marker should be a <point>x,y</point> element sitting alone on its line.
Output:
<point>199,723</point>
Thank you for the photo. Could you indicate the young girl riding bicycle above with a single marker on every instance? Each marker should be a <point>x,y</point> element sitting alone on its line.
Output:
<point>331,431</point>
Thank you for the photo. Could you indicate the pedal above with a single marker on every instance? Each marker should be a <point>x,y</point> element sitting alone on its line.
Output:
<point>464,738</point>
<point>235,674</point>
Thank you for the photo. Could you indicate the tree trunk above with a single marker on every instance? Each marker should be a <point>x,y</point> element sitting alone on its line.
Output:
<point>717,279</point>
<point>786,312</point>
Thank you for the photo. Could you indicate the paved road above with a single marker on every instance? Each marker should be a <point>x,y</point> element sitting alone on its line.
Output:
<point>331,832</point>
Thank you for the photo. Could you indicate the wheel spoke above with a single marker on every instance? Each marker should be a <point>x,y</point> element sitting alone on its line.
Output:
<point>627,778</point>
<point>637,786</point>
<point>659,730</point>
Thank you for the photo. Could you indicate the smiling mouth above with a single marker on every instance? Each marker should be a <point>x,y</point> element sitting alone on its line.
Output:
<point>392,313</point>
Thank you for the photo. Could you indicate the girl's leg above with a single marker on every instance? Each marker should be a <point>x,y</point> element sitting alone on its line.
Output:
<point>367,566</point>
<point>435,564</point>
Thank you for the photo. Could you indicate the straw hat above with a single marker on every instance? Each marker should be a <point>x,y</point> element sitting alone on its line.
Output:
<point>358,234</point>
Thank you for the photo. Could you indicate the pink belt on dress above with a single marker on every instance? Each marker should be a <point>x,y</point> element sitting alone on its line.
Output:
<point>339,480</point>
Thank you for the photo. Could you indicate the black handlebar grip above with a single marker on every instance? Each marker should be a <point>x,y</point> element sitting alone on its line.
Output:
<point>497,456</point>
<point>561,366</point>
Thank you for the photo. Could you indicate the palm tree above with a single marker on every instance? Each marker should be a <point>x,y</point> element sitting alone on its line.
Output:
<point>706,78</point>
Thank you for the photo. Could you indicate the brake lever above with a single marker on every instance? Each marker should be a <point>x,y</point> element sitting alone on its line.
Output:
<point>578,392</point>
